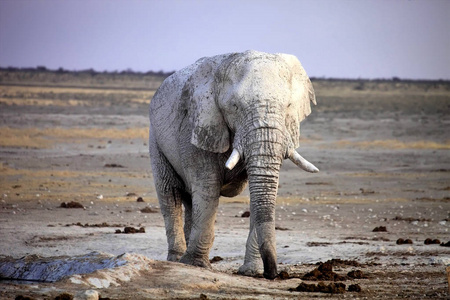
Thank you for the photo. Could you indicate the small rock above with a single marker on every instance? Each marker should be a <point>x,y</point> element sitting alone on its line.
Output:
<point>113,166</point>
<point>87,295</point>
<point>281,228</point>
<point>366,191</point>
<point>148,210</point>
<point>381,249</point>
<point>215,259</point>
<point>246,214</point>
<point>139,199</point>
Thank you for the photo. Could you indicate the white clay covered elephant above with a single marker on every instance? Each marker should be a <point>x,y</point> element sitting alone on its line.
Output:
<point>215,126</point>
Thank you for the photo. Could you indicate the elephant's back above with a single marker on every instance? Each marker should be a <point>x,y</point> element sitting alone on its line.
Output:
<point>169,93</point>
<point>166,103</point>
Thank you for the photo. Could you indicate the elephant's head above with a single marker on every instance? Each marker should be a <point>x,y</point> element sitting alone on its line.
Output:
<point>253,102</point>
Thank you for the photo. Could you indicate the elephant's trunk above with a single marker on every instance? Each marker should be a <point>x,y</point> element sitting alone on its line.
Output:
<point>263,158</point>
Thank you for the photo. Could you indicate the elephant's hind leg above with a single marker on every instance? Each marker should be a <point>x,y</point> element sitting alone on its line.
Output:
<point>171,208</point>
<point>169,190</point>
<point>187,201</point>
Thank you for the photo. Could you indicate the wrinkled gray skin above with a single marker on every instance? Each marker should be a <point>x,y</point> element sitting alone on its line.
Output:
<point>251,102</point>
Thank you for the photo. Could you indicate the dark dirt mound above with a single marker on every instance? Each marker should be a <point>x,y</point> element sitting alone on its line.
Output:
<point>354,288</point>
<point>342,262</point>
<point>21,297</point>
<point>332,288</point>
<point>97,225</point>
<point>323,272</point>
<point>128,230</point>
<point>356,274</point>
<point>432,242</point>
<point>113,166</point>
<point>401,241</point>
<point>71,204</point>
<point>380,229</point>
<point>446,244</point>
<point>410,219</point>
<point>246,214</point>
<point>283,275</point>
<point>64,296</point>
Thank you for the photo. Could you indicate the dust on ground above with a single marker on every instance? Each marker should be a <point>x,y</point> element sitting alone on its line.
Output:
<point>383,152</point>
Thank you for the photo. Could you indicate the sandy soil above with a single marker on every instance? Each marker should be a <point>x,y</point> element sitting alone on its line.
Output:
<point>384,160</point>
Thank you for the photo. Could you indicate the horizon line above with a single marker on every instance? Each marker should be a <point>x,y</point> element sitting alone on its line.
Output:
<point>163,73</point>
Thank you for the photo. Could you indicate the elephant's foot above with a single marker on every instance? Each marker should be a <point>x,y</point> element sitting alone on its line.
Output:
<point>252,269</point>
<point>174,255</point>
<point>197,261</point>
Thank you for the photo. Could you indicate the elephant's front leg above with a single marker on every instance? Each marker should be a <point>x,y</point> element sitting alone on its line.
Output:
<point>201,238</point>
<point>253,265</point>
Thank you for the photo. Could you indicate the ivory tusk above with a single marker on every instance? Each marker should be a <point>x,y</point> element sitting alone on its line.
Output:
<point>303,163</point>
<point>233,160</point>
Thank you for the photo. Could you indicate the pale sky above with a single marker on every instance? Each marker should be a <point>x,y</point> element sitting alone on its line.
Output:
<point>340,39</point>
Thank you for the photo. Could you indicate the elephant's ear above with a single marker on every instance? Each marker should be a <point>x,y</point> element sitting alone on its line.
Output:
<point>302,95</point>
<point>210,132</point>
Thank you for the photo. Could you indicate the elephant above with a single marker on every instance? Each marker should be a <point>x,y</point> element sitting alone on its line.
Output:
<point>216,126</point>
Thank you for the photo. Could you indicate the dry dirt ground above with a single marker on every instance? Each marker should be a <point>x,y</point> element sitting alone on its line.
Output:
<point>382,148</point>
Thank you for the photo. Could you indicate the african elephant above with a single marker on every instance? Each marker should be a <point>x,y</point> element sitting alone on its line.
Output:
<point>215,126</point>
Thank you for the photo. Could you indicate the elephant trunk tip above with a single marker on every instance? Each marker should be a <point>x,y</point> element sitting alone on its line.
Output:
<point>232,160</point>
